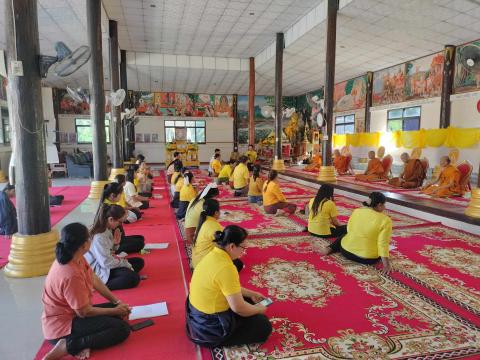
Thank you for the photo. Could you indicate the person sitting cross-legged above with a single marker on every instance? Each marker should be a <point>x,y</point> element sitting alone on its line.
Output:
<point>412,175</point>
<point>273,199</point>
<point>448,182</point>
<point>374,170</point>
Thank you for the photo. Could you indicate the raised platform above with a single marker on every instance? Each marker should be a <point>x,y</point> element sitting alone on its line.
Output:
<point>403,199</point>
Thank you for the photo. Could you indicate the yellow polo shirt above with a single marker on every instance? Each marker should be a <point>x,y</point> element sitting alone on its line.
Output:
<point>215,278</point>
<point>320,224</point>
<point>226,171</point>
<point>216,165</point>
<point>187,193</point>
<point>121,202</point>
<point>255,186</point>
<point>204,243</point>
<point>193,214</point>
<point>179,184</point>
<point>241,176</point>
<point>368,234</point>
<point>272,194</point>
<point>174,176</point>
<point>251,155</point>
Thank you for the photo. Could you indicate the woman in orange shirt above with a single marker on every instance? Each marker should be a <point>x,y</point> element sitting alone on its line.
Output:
<point>69,320</point>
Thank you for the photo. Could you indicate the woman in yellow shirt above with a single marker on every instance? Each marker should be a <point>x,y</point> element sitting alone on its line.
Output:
<point>241,176</point>
<point>273,199</point>
<point>217,313</point>
<point>216,165</point>
<point>177,183</point>
<point>225,173</point>
<point>195,208</point>
<point>178,169</point>
<point>368,235</point>
<point>187,194</point>
<point>322,214</point>
<point>255,187</point>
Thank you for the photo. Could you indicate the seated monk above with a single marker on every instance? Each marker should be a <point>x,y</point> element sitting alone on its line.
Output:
<point>315,164</point>
<point>412,175</point>
<point>448,182</point>
<point>341,163</point>
<point>374,170</point>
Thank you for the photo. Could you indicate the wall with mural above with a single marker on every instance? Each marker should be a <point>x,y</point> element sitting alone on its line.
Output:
<point>350,94</point>
<point>388,85</point>
<point>424,77</point>
<point>3,88</point>
<point>467,67</point>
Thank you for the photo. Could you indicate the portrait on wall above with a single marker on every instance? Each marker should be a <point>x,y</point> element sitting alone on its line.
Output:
<point>223,105</point>
<point>3,88</point>
<point>350,94</point>
<point>388,85</point>
<point>360,125</point>
<point>63,137</point>
<point>72,138</point>
<point>180,134</point>
<point>138,138</point>
<point>467,67</point>
<point>424,77</point>
<point>146,138</point>
<point>155,138</point>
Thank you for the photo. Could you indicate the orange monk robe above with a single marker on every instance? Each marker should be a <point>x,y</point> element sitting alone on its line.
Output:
<point>374,171</point>
<point>315,164</point>
<point>341,164</point>
<point>412,176</point>
<point>449,175</point>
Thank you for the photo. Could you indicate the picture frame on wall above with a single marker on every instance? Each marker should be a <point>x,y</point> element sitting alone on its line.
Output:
<point>63,137</point>
<point>180,134</point>
<point>146,138</point>
<point>72,138</point>
<point>155,138</point>
<point>139,138</point>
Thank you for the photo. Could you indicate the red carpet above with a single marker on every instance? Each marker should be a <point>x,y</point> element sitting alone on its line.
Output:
<point>74,195</point>
<point>166,338</point>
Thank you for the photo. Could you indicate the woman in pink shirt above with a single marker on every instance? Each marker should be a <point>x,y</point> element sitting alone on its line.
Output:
<point>69,319</point>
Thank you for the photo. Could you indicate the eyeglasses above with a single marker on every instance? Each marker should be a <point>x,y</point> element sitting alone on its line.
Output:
<point>243,247</point>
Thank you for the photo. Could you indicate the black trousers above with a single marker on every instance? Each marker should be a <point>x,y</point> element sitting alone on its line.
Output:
<point>96,332</point>
<point>55,200</point>
<point>249,330</point>
<point>130,244</point>
<point>238,264</point>
<point>124,278</point>
<point>182,209</point>
<point>336,232</point>
<point>176,200</point>
<point>146,194</point>
<point>145,205</point>
<point>336,246</point>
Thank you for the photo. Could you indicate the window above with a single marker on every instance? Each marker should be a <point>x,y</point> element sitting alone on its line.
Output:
<point>404,119</point>
<point>5,128</point>
<point>83,130</point>
<point>192,131</point>
<point>345,124</point>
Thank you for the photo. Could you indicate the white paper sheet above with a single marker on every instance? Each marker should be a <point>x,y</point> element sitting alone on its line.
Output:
<point>392,247</point>
<point>148,311</point>
<point>155,246</point>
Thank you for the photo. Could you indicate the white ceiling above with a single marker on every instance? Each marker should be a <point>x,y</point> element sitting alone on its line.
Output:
<point>371,34</point>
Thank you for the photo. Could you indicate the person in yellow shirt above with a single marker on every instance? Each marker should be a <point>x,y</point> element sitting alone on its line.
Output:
<point>273,199</point>
<point>210,170</point>
<point>255,187</point>
<point>217,312</point>
<point>187,194</point>
<point>195,208</point>
<point>177,182</point>
<point>251,154</point>
<point>171,166</point>
<point>122,180</point>
<point>241,177</point>
<point>368,235</point>
<point>225,173</point>
<point>322,214</point>
<point>216,165</point>
<point>178,170</point>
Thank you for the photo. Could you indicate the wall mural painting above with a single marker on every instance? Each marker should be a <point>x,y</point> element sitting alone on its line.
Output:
<point>467,67</point>
<point>223,106</point>
<point>204,105</point>
<point>350,94</point>
<point>70,106</point>
<point>388,85</point>
<point>423,77</point>
<point>3,88</point>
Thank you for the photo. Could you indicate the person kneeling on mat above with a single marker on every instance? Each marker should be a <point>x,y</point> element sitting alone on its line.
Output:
<point>117,273</point>
<point>69,320</point>
<point>219,311</point>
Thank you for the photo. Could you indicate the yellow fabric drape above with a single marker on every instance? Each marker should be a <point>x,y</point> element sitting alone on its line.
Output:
<point>358,139</point>
<point>462,138</point>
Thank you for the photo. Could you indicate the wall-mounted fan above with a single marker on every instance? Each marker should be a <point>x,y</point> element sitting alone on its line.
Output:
<point>78,95</point>
<point>116,98</point>
<point>470,57</point>
<point>267,111</point>
<point>66,62</point>
<point>130,113</point>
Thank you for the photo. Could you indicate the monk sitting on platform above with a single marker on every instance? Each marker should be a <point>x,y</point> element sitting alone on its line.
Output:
<point>412,175</point>
<point>342,163</point>
<point>315,164</point>
<point>448,182</point>
<point>374,170</point>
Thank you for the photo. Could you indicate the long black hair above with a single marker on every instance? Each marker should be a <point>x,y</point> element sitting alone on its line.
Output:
<point>324,193</point>
<point>8,187</point>
<point>180,170</point>
<point>272,175</point>
<point>376,198</point>
<point>210,207</point>
<point>212,192</point>
<point>104,212</point>
<point>232,234</point>
<point>256,172</point>
<point>109,189</point>
<point>189,175</point>
<point>73,236</point>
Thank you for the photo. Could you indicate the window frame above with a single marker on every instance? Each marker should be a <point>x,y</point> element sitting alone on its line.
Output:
<point>403,117</point>
<point>107,130</point>
<point>5,122</point>
<point>344,124</point>
<point>185,126</point>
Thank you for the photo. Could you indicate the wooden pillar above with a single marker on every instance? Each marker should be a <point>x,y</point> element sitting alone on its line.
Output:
<point>278,163</point>
<point>97,98</point>
<point>234,154</point>
<point>251,104</point>
<point>32,248</point>
<point>327,171</point>
<point>115,113</point>
<point>56,108</point>
<point>368,100</point>
<point>123,85</point>
<point>447,84</point>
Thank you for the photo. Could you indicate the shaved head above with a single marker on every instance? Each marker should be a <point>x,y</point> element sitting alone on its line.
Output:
<point>405,157</point>
<point>445,160</point>
<point>371,154</point>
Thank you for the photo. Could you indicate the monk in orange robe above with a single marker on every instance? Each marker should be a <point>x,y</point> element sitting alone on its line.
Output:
<point>374,170</point>
<point>315,164</point>
<point>412,176</point>
<point>341,163</point>
<point>448,183</point>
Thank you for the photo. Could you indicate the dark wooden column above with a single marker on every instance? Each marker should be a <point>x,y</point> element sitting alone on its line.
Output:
<point>56,108</point>
<point>235,123</point>
<point>115,114</point>
<point>368,100</point>
<point>332,8</point>
<point>278,161</point>
<point>97,92</point>
<point>449,56</point>
<point>32,247</point>
<point>123,85</point>
<point>251,104</point>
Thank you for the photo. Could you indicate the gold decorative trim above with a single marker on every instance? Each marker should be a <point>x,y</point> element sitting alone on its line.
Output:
<point>96,189</point>
<point>278,164</point>
<point>115,172</point>
<point>327,174</point>
<point>473,209</point>
<point>3,179</point>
